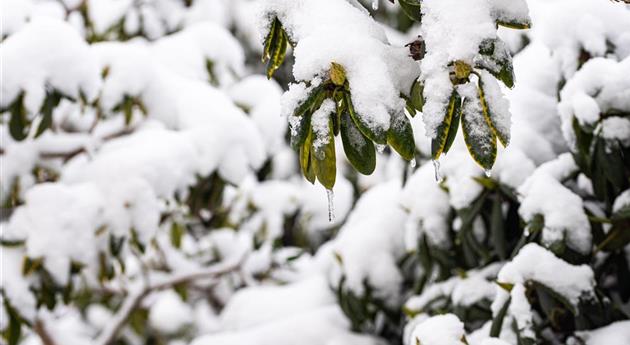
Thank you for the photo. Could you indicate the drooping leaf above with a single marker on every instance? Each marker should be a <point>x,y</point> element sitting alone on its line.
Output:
<point>340,109</point>
<point>18,123</point>
<point>127,108</point>
<point>358,148</point>
<point>618,236</point>
<point>400,136</point>
<point>275,47</point>
<point>50,103</point>
<point>497,229</point>
<point>176,234</point>
<point>13,332</point>
<point>376,134</point>
<point>415,96</point>
<point>304,112</point>
<point>452,131</point>
<point>269,40</point>
<point>495,58</point>
<point>497,322</point>
<point>307,160</point>
<point>479,137</point>
<point>326,166</point>
<point>491,116</point>
<point>438,144</point>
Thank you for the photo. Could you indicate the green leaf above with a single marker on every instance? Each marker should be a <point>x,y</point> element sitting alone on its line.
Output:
<point>13,333</point>
<point>518,25</point>
<point>127,108</point>
<point>415,95</point>
<point>611,158</point>
<point>326,166</point>
<point>452,131</point>
<point>497,322</point>
<point>496,59</point>
<point>177,232</point>
<point>598,171</point>
<point>400,136</point>
<point>497,229</point>
<point>558,298</point>
<point>438,144</point>
<point>617,237</point>
<point>490,116</point>
<point>340,109</point>
<point>275,48</point>
<point>50,103</point>
<point>377,135</point>
<point>31,265</point>
<point>307,161</point>
<point>358,148</point>
<point>505,286</point>
<point>479,137</point>
<point>18,124</point>
<point>304,111</point>
<point>411,8</point>
<point>269,40</point>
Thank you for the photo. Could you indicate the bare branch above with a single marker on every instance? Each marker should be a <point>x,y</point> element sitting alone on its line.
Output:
<point>135,298</point>
<point>40,329</point>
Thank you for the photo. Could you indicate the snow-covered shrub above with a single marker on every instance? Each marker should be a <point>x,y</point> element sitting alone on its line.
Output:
<point>157,179</point>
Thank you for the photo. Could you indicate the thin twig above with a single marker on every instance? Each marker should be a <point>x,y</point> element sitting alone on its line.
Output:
<point>40,329</point>
<point>135,298</point>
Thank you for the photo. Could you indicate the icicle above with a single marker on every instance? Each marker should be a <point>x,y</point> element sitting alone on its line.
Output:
<point>436,167</point>
<point>488,173</point>
<point>411,167</point>
<point>375,5</point>
<point>380,148</point>
<point>331,206</point>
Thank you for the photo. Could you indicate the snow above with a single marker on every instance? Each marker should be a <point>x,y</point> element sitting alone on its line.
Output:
<point>444,329</point>
<point>168,313</point>
<point>622,201</point>
<point>499,106</point>
<point>428,205</point>
<point>105,14</point>
<point>616,129</point>
<point>369,254</point>
<point>617,333</point>
<point>598,87</point>
<point>320,125</point>
<point>373,68</point>
<point>567,25</point>
<point>257,305</point>
<point>512,167</point>
<point>47,53</point>
<point>563,212</point>
<point>325,325</point>
<point>262,97</point>
<point>54,233</point>
<point>535,263</point>
<point>14,283</point>
<point>453,31</point>
<point>187,51</point>
<point>474,286</point>
<point>190,124</point>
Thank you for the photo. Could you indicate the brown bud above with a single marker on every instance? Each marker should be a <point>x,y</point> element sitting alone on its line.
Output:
<point>416,49</point>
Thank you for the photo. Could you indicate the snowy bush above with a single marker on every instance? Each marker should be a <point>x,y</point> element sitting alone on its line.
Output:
<point>160,184</point>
